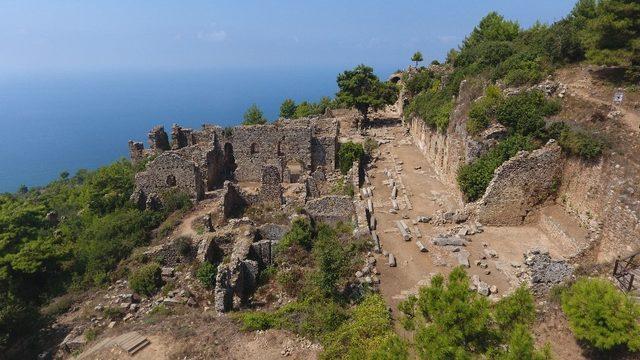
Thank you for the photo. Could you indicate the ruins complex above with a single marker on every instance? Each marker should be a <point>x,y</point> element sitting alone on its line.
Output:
<point>194,162</point>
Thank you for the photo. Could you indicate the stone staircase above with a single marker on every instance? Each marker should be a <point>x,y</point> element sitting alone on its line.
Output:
<point>131,342</point>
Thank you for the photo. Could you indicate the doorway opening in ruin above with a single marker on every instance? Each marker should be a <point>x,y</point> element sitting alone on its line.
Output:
<point>171,180</point>
<point>295,168</point>
<point>254,148</point>
<point>229,162</point>
<point>280,152</point>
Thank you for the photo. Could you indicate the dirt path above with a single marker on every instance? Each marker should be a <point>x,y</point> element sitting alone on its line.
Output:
<point>420,194</point>
<point>580,83</point>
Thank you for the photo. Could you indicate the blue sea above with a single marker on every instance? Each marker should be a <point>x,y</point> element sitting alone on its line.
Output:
<point>68,121</point>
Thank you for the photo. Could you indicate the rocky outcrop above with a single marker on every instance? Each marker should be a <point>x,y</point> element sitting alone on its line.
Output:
<point>236,279</point>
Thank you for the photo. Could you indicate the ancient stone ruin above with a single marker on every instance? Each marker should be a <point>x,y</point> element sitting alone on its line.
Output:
<point>194,162</point>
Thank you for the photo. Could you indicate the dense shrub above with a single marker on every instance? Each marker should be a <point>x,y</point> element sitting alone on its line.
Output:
<point>575,142</point>
<point>458,318</point>
<point>206,273</point>
<point>40,259</point>
<point>421,81</point>
<point>367,334</point>
<point>516,309</point>
<point>176,200</point>
<point>483,111</point>
<point>287,109</point>
<point>433,107</point>
<point>146,280</point>
<point>521,69</point>
<point>473,178</point>
<point>521,346</point>
<point>349,153</point>
<point>332,260</point>
<point>524,113</point>
<point>301,234</point>
<point>601,315</point>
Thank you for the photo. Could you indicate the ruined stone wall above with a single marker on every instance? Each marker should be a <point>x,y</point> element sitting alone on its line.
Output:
<point>255,146</point>
<point>324,143</point>
<point>234,203</point>
<point>271,187</point>
<point>603,196</point>
<point>331,209</point>
<point>136,151</point>
<point>519,184</point>
<point>205,158</point>
<point>449,150</point>
<point>158,139</point>
<point>168,172</point>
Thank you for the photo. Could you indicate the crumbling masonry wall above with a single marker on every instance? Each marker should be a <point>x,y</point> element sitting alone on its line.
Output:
<point>167,172</point>
<point>295,147</point>
<point>519,184</point>
<point>604,198</point>
<point>448,150</point>
<point>258,145</point>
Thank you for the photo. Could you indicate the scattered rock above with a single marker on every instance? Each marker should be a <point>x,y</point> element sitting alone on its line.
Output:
<point>423,219</point>
<point>453,240</point>
<point>463,258</point>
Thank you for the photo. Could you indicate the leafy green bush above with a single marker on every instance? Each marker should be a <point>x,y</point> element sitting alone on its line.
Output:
<point>258,320</point>
<point>575,142</point>
<point>601,315</point>
<point>301,234</point>
<point>367,334</point>
<point>349,153</point>
<point>113,313</point>
<point>458,318</point>
<point>433,107</point>
<point>332,260</point>
<point>524,113</point>
<point>483,111</point>
<point>473,178</point>
<point>370,145</point>
<point>515,309</point>
<point>453,321</point>
<point>421,81</point>
<point>521,346</point>
<point>175,201</point>
<point>206,273</point>
<point>147,280</point>
<point>521,69</point>
<point>342,187</point>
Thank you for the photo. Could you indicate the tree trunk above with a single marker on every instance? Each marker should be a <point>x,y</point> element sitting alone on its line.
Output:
<point>365,119</point>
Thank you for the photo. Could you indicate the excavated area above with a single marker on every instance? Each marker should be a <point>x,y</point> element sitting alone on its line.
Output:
<point>495,254</point>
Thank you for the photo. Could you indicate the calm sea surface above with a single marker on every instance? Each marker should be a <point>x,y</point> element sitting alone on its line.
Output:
<point>65,122</point>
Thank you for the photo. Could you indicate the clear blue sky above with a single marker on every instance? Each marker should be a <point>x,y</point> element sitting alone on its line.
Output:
<point>98,35</point>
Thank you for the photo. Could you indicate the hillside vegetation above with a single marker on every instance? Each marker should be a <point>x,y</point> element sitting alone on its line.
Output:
<point>501,52</point>
<point>69,235</point>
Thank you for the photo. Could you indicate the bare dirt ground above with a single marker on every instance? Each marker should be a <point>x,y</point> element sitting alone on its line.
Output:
<point>203,335</point>
<point>427,195</point>
<point>589,86</point>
